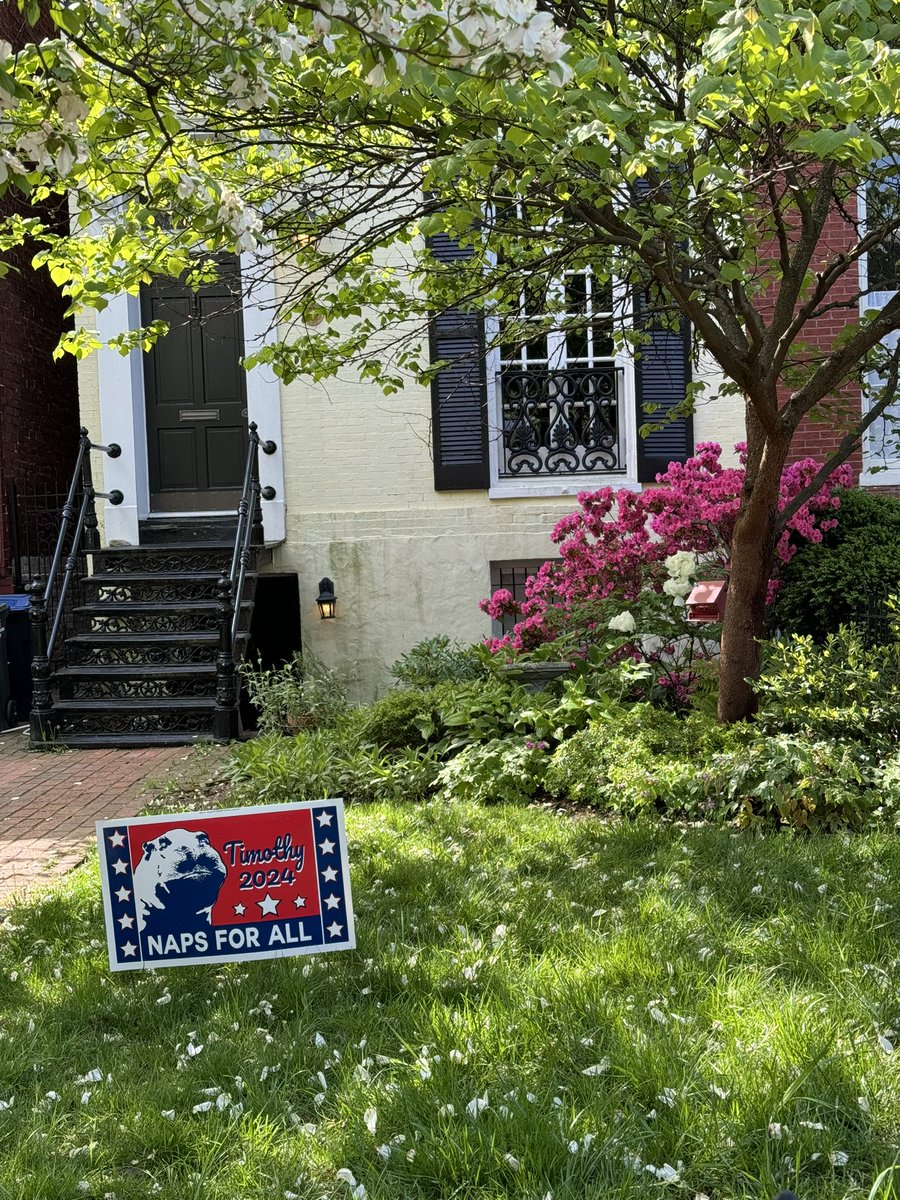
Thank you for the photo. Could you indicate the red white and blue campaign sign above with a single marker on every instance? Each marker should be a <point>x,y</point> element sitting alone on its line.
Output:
<point>215,887</point>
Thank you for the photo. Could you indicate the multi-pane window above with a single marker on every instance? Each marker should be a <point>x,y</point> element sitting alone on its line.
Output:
<point>558,392</point>
<point>584,338</point>
<point>883,261</point>
<point>882,205</point>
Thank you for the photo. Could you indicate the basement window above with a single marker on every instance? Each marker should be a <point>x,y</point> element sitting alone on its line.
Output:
<point>512,574</point>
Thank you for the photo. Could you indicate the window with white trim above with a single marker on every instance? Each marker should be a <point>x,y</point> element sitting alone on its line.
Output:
<point>523,411</point>
<point>558,408</point>
<point>879,283</point>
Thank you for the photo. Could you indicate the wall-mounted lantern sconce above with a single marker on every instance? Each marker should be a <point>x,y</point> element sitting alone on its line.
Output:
<point>326,600</point>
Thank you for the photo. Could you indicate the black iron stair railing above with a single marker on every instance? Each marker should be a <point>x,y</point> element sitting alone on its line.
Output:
<point>226,722</point>
<point>47,601</point>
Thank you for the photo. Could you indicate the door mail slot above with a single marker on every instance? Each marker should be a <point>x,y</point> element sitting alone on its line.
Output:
<point>198,414</point>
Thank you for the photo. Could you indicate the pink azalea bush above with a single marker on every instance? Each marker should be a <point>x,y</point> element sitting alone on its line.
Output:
<point>614,546</point>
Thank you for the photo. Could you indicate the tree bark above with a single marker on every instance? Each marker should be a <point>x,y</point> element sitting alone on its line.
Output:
<point>752,559</point>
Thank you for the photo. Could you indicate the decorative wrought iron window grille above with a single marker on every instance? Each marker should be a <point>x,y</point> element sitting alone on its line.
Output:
<point>561,421</point>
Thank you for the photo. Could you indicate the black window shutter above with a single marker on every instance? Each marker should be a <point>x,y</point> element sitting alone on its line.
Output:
<point>662,371</point>
<point>459,390</point>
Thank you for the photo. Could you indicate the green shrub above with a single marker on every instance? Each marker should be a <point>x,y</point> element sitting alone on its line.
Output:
<point>497,707</point>
<point>645,758</point>
<point>327,763</point>
<point>826,585</point>
<point>889,790</point>
<point>438,660</point>
<point>803,784</point>
<point>508,770</point>
<point>841,689</point>
<point>398,719</point>
<point>303,694</point>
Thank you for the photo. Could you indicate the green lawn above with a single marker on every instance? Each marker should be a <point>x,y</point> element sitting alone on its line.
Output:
<point>539,1006</point>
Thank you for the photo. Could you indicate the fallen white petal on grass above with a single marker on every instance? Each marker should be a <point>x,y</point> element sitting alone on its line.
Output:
<point>598,1068</point>
<point>93,1076</point>
<point>839,1158</point>
<point>478,1105</point>
<point>202,1108</point>
<point>511,1161</point>
<point>346,1176</point>
<point>887,1046</point>
<point>5,1104</point>
<point>370,1119</point>
<point>665,1174</point>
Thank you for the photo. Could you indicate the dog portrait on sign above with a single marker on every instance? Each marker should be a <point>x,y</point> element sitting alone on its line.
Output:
<point>213,887</point>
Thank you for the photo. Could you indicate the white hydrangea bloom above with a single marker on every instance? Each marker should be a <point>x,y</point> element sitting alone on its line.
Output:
<point>623,623</point>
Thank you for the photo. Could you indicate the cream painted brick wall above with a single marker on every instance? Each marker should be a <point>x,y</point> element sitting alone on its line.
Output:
<point>402,575</point>
<point>718,419</point>
<point>407,562</point>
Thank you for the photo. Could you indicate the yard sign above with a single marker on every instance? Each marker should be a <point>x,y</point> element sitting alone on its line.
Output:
<point>226,886</point>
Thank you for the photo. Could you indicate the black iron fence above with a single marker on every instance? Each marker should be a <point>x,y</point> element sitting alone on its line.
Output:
<point>33,516</point>
<point>879,622</point>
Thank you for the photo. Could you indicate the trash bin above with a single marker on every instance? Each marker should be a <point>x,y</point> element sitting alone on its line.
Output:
<point>18,658</point>
<point>7,704</point>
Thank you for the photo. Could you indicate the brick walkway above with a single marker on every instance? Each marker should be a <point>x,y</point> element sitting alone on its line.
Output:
<point>49,801</point>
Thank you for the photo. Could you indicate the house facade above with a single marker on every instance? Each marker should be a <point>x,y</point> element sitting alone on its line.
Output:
<point>414,505</point>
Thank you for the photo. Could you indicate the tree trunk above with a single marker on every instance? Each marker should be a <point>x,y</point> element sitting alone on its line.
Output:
<point>752,559</point>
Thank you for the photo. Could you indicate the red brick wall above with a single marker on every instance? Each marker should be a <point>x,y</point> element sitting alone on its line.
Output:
<point>38,397</point>
<point>819,438</point>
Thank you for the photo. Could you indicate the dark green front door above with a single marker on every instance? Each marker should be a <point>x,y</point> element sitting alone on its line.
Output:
<point>195,394</point>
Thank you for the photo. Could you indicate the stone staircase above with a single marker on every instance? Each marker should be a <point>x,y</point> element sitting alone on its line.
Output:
<point>139,662</point>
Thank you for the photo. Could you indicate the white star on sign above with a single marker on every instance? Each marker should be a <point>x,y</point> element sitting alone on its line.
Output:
<point>334,929</point>
<point>240,909</point>
<point>329,874</point>
<point>332,901</point>
<point>324,818</point>
<point>129,949</point>
<point>326,847</point>
<point>117,839</point>
<point>123,894</point>
<point>126,922</point>
<point>268,907</point>
<point>299,902</point>
<point>120,867</point>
